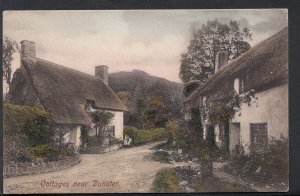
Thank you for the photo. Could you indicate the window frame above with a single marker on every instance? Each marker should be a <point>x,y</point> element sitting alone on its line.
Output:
<point>262,136</point>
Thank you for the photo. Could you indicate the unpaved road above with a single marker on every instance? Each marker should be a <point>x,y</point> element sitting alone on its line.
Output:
<point>124,170</point>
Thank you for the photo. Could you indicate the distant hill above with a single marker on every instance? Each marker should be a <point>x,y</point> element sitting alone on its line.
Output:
<point>138,85</point>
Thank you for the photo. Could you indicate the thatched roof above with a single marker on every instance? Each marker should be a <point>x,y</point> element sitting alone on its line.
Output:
<point>64,91</point>
<point>264,66</point>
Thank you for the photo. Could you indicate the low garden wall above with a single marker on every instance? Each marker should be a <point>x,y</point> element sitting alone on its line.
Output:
<point>99,150</point>
<point>21,169</point>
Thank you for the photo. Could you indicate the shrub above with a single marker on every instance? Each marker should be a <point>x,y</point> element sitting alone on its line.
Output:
<point>29,135</point>
<point>213,184</point>
<point>25,127</point>
<point>94,141</point>
<point>172,133</point>
<point>39,151</point>
<point>270,165</point>
<point>166,181</point>
<point>144,136</point>
<point>38,131</point>
<point>46,153</point>
<point>130,131</point>
<point>114,140</point>
<point>161,156</point>
<point>16,116</point>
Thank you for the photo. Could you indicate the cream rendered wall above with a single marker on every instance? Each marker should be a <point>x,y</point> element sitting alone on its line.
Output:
<point>78,134</point>
<point>73,136</point>
<point>271,108</point>
<point>117,121</point>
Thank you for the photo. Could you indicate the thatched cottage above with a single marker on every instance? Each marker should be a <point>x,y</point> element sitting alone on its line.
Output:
<point>263,70</point>
<point>69,95</point>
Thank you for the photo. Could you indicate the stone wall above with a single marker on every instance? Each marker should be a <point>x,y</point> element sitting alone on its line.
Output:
<point>99,150</point>
<point>21,169</point>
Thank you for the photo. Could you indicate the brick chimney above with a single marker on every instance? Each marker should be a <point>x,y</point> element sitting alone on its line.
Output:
<point>221,59</point>
<point>101,71</point>
<point>28,51</point>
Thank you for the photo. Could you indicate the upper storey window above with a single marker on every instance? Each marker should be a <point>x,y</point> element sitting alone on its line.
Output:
<point>239,85</point>
<point>90,104</point>
<point>236,85</point>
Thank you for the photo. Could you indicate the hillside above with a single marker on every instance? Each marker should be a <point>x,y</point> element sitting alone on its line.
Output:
<point>135,88</point>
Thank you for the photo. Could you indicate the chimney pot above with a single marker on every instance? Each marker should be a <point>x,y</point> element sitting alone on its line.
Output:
<point>28,49</point>
<point>101,71</point>
<point>221,59</point>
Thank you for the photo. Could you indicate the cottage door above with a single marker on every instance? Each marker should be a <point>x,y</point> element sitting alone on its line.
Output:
<point>234,135</point>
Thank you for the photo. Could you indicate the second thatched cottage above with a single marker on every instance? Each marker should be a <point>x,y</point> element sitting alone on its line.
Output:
<point>69,95</point>
<point>262,71</point>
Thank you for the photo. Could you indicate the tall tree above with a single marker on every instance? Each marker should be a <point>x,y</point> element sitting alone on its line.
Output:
<point>9,47</point>
<point>198,63</point>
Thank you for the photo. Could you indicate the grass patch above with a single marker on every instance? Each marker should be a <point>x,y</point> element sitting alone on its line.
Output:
<point>213,184</point>
<point>161,156</point>
<point>166,181</point>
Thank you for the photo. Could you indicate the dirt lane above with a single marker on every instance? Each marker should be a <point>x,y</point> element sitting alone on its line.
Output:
<point>124,170</point>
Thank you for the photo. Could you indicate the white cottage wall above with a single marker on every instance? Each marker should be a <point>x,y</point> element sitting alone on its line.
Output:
<point>271,107</point>
<point>117,122</point>
<point>73,135</point>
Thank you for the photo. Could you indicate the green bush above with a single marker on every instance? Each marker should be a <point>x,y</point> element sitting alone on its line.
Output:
<point>47,153</point>
<point>172,134</point>
<point>144,136</point>
<point>166,181</point>
<point>213,184</point>
<point>29,135</point>
<point>161,156</point>
<point>16,116</point>
<point>130,131</point>
<point>39,151</point>
<point>94,141</point>
<point>25,127</point>
<point>267,166</point>
<point>66,152</point>
<point>115,141</point>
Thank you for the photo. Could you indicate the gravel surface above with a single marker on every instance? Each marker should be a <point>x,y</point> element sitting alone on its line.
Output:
<point>124,170</point>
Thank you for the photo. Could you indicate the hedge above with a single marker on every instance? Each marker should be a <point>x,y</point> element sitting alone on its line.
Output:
<point>16,116</point>
<point>144,136</point>
<point>29,135</point>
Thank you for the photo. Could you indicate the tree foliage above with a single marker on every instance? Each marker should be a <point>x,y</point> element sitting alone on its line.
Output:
<point>9,47</point>
<point>148,112</point>
<point>101,119</point>
<point>198,63</point>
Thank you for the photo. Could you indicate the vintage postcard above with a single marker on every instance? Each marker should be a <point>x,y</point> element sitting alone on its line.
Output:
<point>145,101</point>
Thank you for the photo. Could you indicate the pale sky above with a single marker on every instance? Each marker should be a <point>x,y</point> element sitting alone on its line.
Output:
<point>148,40</point>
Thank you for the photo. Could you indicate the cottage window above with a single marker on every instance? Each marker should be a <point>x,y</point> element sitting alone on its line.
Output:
<point>204,101</point>
<point>242,85</point>
<point>111,131</point>
<point>236,85</point>
<point>90,104</point>
<point>259,136</point>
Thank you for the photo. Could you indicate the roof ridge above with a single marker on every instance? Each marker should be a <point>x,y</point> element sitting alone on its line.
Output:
<point>222,70</point>
<point>85,75</point>
<point>68,68</point>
